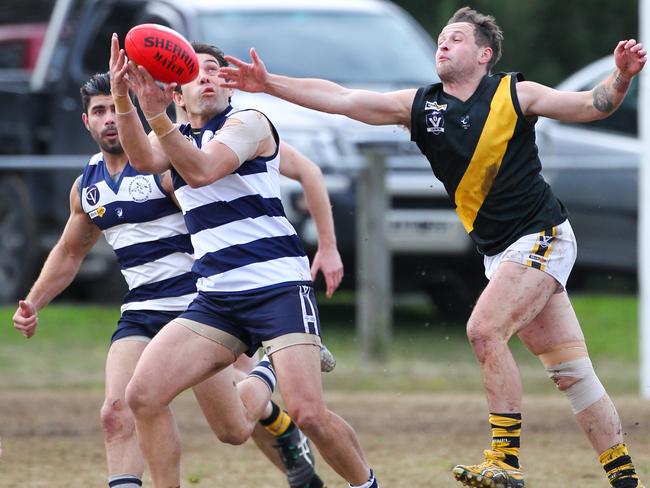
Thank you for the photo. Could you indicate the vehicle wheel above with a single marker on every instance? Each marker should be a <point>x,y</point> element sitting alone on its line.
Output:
<point>18,245</point>
<point>453,295</point>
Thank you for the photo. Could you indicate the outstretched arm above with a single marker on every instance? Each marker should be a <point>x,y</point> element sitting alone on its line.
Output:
<point>198,167</point>
<point>327,260</point>
<point>363,105</point>
<point>61,266</point>
<point>145,153</point>
<point>598,103</point>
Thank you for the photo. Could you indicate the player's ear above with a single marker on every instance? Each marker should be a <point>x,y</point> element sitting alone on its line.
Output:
<point>486,55</point>
<point>84,117</point>
<point>178,98</point>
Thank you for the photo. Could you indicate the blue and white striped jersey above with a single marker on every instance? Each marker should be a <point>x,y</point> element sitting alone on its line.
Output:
<point>241,237</point>
<point>146,230</point>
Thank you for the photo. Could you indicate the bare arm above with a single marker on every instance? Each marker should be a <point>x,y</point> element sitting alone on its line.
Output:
<point>363,105</point>
<point>198,167</point>
<point>598,103</point>
<point>145,153</point>
<point>298,167</point>
<point>61,266</point>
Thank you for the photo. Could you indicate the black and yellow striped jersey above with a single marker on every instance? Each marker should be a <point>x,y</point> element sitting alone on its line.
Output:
<point>483,150</point>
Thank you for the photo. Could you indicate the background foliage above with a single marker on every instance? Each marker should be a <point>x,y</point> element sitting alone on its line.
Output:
<point>547,40</point>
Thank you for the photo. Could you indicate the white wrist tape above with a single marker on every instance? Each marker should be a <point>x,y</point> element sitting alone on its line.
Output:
<point>587,390</point>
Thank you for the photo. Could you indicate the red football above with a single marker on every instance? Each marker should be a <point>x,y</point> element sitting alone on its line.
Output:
<point>166,54</point>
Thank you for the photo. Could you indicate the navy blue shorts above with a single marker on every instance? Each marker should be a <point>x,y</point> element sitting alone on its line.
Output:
<point>258,315</point>
<point>142,323</point>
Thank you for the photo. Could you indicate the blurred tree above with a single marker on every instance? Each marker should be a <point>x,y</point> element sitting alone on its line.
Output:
<point>547,40</point>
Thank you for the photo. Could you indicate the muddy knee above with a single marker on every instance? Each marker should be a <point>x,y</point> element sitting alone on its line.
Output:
<point>117,419</point>
<point>571,370</point>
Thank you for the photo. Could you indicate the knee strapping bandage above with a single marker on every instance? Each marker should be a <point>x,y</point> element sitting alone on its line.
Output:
<point>587,390</point>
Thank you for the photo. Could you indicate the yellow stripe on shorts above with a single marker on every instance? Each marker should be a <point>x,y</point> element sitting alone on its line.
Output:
<point>537,250</point>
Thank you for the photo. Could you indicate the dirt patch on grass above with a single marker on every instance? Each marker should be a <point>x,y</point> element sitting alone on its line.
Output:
<point>53,439</point>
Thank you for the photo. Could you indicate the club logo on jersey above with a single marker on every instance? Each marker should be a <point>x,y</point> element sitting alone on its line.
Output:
<point>140,189</point>
<point>435,120</point>
<point>98,212</point>
<point>545,241</point>
<point>92,195</point>
<point>464,122</point>
<point>119,212</point>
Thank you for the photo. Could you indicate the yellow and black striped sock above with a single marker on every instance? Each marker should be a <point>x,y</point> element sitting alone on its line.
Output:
<point>506,432</point>
<point>278,422</point>
<point>617,463</point>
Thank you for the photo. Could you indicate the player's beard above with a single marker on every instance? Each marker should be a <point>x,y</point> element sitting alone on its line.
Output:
<point>210,106</point>
<point>109,147</point>
<point>115,148</point>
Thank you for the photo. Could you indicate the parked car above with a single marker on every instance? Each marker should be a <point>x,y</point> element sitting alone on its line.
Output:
<point>593,169</point>
<point>362,43</point>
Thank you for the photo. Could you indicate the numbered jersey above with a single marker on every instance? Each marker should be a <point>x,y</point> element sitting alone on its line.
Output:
<point>147,232</point>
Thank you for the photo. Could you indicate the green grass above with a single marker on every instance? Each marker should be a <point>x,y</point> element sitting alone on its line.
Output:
<point>70,347</point>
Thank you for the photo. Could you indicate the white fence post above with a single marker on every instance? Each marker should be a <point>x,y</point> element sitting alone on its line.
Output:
<point>373,257</point>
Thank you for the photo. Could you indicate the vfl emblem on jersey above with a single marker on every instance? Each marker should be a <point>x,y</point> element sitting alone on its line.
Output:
<point>464,122</point>
<point>119,212</point>
<point>140,189</point>
<point>98,212</point>
<point>435,121</point>
<point>92,195</point>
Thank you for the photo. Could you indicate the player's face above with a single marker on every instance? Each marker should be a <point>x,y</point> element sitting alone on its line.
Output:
<point>203,96</point>
<point>458,54</point>
<point>101,123</point>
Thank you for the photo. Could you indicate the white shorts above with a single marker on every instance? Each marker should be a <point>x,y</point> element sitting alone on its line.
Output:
<point>552,251</point>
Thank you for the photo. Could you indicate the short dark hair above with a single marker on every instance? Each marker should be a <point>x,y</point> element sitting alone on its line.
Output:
<point>486,31</point>
<point>204,48</point>
<point>98,84</point>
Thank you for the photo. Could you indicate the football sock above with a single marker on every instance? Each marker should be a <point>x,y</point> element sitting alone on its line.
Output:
<point>124,481</point>
<point>264,371</point>
<point>371,483</point>
<point>279,422</point>
<point>617,463</point>
<point>316,482</point>
<point>506,431</point>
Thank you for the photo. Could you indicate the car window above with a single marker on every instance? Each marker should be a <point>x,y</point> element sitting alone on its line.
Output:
<point>624,121</point>
<point>13,55</point>
<point>348,47</point>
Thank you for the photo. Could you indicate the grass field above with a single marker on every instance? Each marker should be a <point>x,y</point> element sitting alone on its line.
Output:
<point>70,346</point>
<point>416,414</point>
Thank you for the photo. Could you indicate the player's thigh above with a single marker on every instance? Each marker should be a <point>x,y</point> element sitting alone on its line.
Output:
<point>176,359</point>
<point>297,368</point>
<point>244,364</point>
<point>219,400</point>
<point>515,295</point>
<point>555,325</point>
<point>121,361</point>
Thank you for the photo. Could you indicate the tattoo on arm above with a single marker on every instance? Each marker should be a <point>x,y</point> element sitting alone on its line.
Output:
<point>620,84</point>
<point>609,93</point>
<point>88,239</point>
<point>602,100</point>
